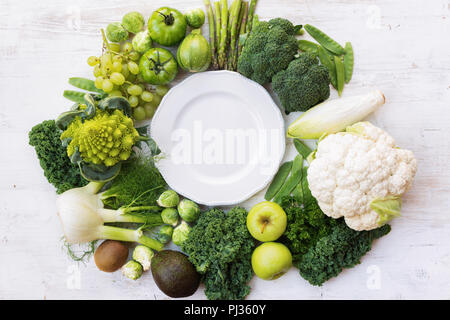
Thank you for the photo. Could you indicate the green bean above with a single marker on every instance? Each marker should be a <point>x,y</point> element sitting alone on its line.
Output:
<point>278,180</point>
<point>302,148</point>
<point>85,84</point>
<point>329,64</point>
<point>325,40</point>
<point>308,46</point>
<point>292,181</point>
<point>348,61</point>
<point>75,96</point>
<point>340,74</point>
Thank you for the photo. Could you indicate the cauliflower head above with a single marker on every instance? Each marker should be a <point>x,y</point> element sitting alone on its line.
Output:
<point>361,175</point>
<point>106,139</point>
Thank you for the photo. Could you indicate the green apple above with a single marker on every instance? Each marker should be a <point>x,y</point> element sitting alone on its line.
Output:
<point>266,221</point>
<point>271,260</point>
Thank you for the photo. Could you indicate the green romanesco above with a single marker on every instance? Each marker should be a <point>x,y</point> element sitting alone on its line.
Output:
<point>303,84</point>
<point>58,169</point>
<point>268,50</point>
<point>106,139</point>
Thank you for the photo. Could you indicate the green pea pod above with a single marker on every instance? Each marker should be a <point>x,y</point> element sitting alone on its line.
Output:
<point>278,180</point>
<point>302,148</point>
<point>325,40</point>
<point>85,84</point>
<point>340,74</point>
<point>308,46</point>
<point>75,96</point>
<point>291,182</point>
<point>348,62</point>
<point>329,64</point>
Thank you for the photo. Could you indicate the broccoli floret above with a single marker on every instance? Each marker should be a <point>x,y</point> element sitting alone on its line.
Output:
<point>303,84</point>
<point>58,169</point>
<point>268,50</point>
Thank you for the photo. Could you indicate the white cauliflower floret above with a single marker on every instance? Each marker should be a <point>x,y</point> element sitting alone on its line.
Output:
<point>360,175</point>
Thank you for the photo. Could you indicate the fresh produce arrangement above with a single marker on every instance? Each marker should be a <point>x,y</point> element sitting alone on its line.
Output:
<point>320,214</point>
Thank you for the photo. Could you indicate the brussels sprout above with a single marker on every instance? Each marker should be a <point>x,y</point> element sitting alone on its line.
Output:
<point>143,255</point>
<point>132,269</point>
<point>115,32</point>
<point>195,18</point>
<point>168,199</point>
<point>165,234</point>
<point>142,41</point>
<point>133,22</point>
<point>180,233</point>
<point>188,210</point>
<point>170,216</point>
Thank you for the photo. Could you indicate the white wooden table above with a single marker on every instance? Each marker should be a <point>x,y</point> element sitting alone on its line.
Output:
<point>401,47</point>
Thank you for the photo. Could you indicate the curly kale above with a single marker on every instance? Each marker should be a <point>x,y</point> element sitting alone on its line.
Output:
<point>268,50</point>
<point>220,247</point>
<point>59,171</point>
<point>303,84</point>
<point>342,248</point>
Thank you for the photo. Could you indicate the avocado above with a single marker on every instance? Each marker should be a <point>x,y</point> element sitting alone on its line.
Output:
<point>174,274</point>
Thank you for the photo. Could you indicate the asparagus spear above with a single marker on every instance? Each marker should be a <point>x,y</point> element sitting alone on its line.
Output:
<point>223,34</point>
<point>251,13</point>
<point>212,40</point>
<point>242,28</point>
<point>218,23</point>
<point>234,33</point>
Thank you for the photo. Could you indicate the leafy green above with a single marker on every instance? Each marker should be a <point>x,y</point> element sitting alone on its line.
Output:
<point>342,248</point>
<point>58,169</point>
<point>220,248</point>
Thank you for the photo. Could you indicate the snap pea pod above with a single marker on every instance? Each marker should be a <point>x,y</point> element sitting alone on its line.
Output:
<point>324,40</point>
<point>308,46</point>
<point>300,192</point>
<point>292,181</point>
<point>329,64</point>
<point>348,61</point>
<point>85,84</point>
<point>75,96</point>
<point>340,74</point>
<point>278,180</point>
<point>302,148</point>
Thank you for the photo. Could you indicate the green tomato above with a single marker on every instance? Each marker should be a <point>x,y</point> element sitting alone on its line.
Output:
<point>116,33</point>
<point>133,22</point>
<point>142,41</point>
<point>188,210</point>
<point>167,26</point>
<point>158,66</point>
<point>195,18</point>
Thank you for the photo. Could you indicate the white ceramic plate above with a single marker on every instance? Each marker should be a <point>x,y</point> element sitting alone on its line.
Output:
<point>222,138</point>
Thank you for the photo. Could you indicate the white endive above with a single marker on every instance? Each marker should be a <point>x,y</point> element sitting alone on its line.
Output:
<point>83,216</point>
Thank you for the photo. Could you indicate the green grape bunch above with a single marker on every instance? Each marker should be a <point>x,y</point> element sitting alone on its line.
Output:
<point>116,72</point>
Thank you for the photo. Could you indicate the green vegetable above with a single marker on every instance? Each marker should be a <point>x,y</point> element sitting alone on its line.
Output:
<point>235,22</point>
<point>58,169</point>
<point>251,14</point>
<point>308,46</point>
<point>243,27</point>
<point>195,18</point>
<point>221,50</point>
<point>388,208</point>
<point>115,32</point>
<point>328,62</point>
<point>85,84</point>
<point>278,180</point>
<point>188,210</point>
<point>168,199</point>
<point>194,53</point>
<point>268,50</point>
<point>302,148</point>
<point>165,234</point>
<point>142,42</point>
<point>143,255</point>
<point>212,31</point>
<point>348,61</point>
<point>132,270</point>
<point>181,233</point>
<point>158,66</point>
<point>170,216</point>
<point>291,182</point>
<point>303,84</point>
<point>325,40</point>
<point>167,26</point>
<point>340,74</point>
<point>340,249</point>
<point>220,247</point>
<point>133,22</point>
